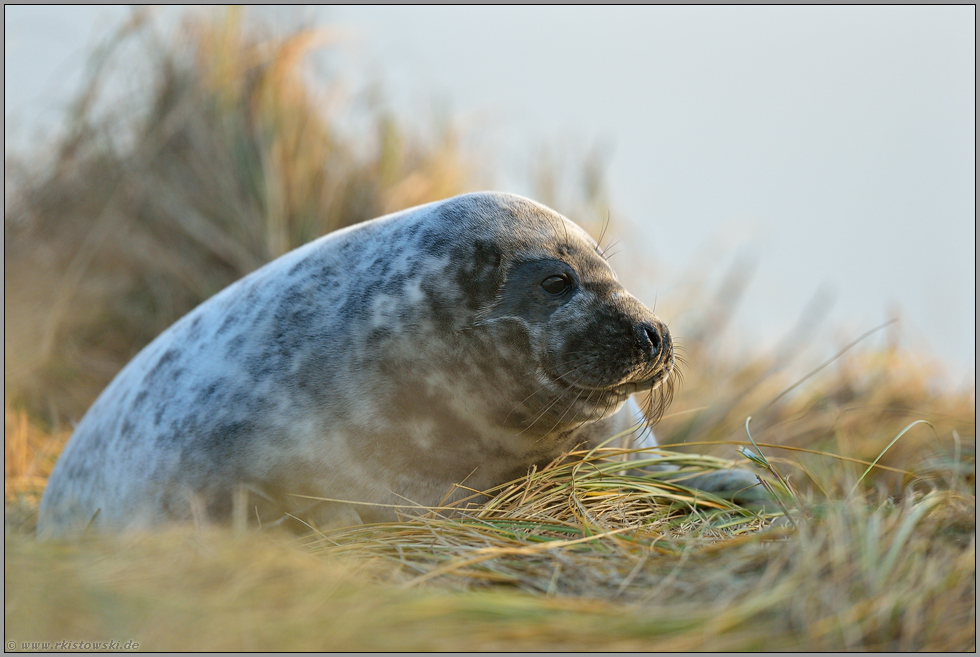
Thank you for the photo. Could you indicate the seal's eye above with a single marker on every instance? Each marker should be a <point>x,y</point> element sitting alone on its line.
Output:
<point>555,284</point>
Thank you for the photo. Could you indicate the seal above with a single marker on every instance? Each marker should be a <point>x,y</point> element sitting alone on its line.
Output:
<point>373,369</point>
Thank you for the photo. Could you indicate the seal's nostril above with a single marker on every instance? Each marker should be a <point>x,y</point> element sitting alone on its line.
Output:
<point>652,339</point>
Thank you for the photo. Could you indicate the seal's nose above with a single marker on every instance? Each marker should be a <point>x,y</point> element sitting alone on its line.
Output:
<point>651,339</point>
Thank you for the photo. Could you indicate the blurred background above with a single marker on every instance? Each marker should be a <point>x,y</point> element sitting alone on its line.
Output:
<point>784,179</point>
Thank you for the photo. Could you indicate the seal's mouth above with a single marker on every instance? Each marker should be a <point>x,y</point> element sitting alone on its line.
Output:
<point>658,380</point>
<point>648,382</point>
<point>661,375</point>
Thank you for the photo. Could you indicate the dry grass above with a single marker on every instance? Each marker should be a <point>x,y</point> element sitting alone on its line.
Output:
<point>235,156</point>
<point>223,156</point>
<point>577,556</point>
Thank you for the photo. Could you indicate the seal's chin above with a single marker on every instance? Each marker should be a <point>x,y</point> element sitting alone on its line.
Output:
<point>661,375</point>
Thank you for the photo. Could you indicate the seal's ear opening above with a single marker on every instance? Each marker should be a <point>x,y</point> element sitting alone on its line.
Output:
<point>480,273</point>
<point>486,255</point>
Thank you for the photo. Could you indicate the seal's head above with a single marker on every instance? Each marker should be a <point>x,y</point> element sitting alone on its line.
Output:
<point>549,327</point>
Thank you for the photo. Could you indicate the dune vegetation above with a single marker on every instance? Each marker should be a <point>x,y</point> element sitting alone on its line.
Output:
<point>225,151</point>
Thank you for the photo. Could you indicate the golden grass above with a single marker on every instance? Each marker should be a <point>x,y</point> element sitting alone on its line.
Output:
<point>577,556</point>
<point>233,157</point>
<point>29,455</point>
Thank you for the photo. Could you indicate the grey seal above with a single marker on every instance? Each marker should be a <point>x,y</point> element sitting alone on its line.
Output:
<point>460,341</point>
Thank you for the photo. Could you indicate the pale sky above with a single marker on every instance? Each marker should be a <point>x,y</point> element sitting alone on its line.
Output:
<point>835,144</point>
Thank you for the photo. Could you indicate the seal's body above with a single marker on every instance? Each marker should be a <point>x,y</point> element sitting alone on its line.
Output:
<point>463,340</point>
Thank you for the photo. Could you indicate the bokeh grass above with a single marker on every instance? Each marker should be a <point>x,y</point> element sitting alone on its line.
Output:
<point>216,156</point>
<point>227,153</point>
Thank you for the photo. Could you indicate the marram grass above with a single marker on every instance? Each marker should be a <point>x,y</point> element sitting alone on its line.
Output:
<point>586,507</point>
<point>580,555</point>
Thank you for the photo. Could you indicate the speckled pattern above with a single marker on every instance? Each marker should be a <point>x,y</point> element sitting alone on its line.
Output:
<point>380,364</point>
